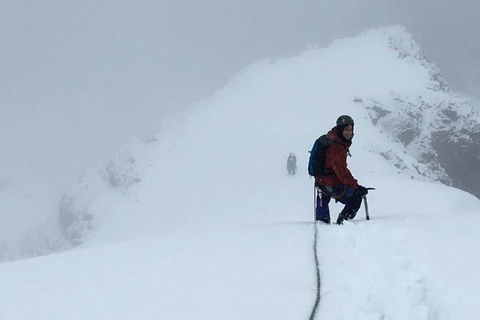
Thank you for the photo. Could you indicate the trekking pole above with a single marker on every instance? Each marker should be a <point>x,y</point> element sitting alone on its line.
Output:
<point>366,204</point>
<point>314,201</point>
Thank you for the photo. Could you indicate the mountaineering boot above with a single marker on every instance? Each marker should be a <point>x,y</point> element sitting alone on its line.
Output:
<point>346,214</point>
<point>340,219</point>
<point>324,220</point>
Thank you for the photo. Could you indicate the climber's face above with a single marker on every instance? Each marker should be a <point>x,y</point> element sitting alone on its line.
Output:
<point>348,132</point>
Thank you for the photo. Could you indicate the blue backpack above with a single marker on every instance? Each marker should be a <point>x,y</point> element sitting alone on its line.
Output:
<point>316,163</point>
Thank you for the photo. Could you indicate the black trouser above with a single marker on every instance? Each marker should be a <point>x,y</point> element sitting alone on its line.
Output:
<point>348,196</point>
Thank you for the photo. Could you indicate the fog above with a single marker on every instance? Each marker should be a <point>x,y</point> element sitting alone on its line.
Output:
<point>79,78</point>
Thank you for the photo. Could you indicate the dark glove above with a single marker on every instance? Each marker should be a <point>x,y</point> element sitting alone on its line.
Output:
<point>361,191</point>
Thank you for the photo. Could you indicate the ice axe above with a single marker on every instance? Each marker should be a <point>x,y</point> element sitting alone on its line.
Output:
<point>366,204</point>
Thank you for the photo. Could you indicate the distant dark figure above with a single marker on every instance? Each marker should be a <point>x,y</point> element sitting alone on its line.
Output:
<point>292,163</point>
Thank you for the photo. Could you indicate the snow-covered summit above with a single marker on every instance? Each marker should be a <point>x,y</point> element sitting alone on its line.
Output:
<point>410,51</point>
<point>226,151</point>
<point>438,128</point>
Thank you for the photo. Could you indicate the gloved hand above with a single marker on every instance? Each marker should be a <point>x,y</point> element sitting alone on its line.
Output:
<point>361,191</point>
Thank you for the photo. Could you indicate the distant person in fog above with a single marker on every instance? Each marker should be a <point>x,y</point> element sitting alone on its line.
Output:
<point>292,163</point>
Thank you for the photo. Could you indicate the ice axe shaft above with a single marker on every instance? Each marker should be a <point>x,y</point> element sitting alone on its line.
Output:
<point>367,215</point>
<point>366,207</point>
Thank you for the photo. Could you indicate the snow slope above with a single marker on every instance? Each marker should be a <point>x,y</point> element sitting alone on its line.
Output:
<point>203,221</point>
<point>411,261</point>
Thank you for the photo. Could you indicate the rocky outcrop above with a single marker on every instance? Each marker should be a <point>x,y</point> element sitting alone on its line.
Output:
<point>441,131</point>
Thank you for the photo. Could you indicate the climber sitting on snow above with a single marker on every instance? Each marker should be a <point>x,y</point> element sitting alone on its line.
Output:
<point>338,182</point>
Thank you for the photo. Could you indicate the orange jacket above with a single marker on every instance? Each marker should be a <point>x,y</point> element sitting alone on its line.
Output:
<point>336,163</point>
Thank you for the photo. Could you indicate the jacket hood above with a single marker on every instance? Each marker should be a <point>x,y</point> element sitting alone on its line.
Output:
<point>333,134</point>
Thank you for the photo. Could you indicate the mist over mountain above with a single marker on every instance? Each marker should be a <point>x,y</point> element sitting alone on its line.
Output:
<point>222,151</point>
<point>169,123</point>
<point>202,206</point>
<point>86,76</point>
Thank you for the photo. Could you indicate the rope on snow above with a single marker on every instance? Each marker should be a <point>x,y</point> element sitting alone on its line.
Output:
<point>317,270</point>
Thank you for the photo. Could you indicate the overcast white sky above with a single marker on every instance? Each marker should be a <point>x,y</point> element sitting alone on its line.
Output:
<point>87,75</point>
